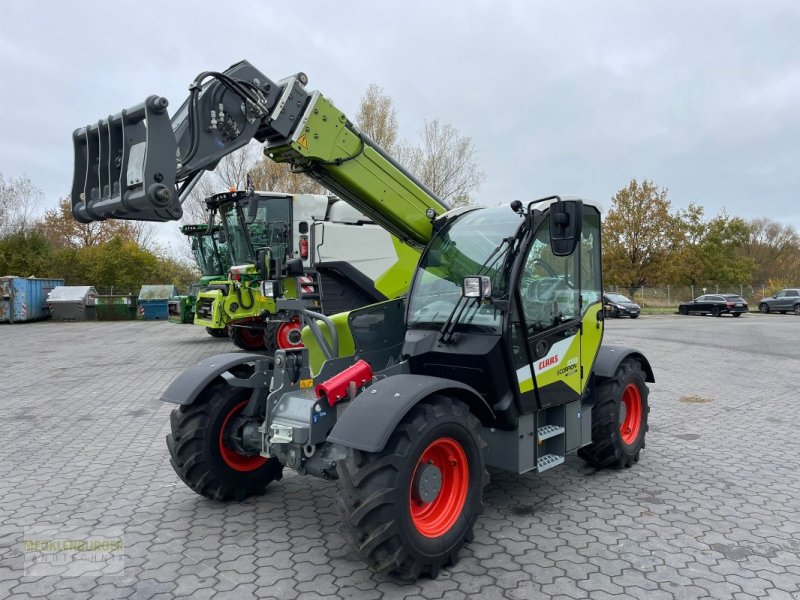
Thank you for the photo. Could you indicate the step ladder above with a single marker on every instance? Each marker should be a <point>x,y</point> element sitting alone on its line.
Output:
<point>550,438</point>
<point>310,289</point>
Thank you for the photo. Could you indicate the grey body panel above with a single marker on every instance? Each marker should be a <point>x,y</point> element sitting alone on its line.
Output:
<point>192,381</point>
<point>372,416</point>
<point>610,357</point>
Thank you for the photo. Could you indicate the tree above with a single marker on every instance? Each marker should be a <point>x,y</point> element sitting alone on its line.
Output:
<point>25,253</point>
<point>63,231</point>
<point>278,177</point>
<point>445,162</point>
<point>18,201</point>
<point>639,235</point>
<point>377,117</point>
<point>707,251</point>
<point>774,250</point>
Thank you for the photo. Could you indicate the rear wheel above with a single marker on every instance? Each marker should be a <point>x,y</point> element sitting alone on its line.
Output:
<point>737,314</point>
<point>763,307</point>
<point>247,338</point>
<point>716,311</point>
<point>796,309</point>
<point>683,310</point>
<point>203,458</point>
<point>619,418</point>
<point>217,333</point>
<point>409,508</point>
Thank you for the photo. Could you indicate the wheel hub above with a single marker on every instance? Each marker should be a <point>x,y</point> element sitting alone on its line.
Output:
<point>427,483</point>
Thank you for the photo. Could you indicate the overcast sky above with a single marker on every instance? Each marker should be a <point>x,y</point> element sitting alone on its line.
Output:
<point>575,97</point>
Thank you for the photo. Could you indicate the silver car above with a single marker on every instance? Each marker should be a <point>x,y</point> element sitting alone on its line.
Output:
<point>782,302</point>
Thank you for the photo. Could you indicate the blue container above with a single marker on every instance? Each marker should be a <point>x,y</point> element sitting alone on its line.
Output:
<point>25,299</point>
<point>154,301</point>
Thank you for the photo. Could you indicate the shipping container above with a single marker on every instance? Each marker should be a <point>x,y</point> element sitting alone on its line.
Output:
<point>116,308</point>
<point>73,303</point>
<point>24,300</point>
<point>154,301</point>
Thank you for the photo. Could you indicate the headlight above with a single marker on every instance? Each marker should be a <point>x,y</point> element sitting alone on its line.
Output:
<point>267,289</point>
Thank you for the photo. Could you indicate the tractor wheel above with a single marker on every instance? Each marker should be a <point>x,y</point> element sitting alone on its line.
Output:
<point>202,458</point>
<point>763,307</point>
<point>408,509</point>
<point>247,338</point>
<point>619,418</point>
<point>217,333</point>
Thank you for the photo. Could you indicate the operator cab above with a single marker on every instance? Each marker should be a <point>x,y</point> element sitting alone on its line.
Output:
<point>508,301</point>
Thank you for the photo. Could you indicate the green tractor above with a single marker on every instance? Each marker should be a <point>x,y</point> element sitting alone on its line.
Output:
<point>493,359</point>
<point>212,258</point>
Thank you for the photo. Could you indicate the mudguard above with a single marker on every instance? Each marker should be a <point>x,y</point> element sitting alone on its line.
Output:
<point>610,357</point>
<point>185,389</point>
<point>373,415</point>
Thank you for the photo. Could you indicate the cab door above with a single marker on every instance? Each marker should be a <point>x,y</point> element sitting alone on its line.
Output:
<point>550,299</point>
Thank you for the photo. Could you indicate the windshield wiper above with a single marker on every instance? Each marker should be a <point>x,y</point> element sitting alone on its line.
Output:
<point>449,327</point>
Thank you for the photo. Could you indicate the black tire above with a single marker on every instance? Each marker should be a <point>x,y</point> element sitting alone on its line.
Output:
<point>716,312</point>
<point>796,309</point>
<point>608,447</point>
<point>764,307</point>
<point>271,338</point>
<point>217,333</point>
<point>375,492</point>
<point>195,447</point>
<point>247,338</point>
<point>737,314</point>
<point>683,310</point>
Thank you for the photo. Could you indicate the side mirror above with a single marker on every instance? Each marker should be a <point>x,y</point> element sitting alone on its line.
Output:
<point>565,226</point>
<point>262,262</point>
<point>774,295</point>
<point>478,286</point>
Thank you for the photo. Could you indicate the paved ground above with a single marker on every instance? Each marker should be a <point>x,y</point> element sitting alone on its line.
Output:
<point>712,510</point>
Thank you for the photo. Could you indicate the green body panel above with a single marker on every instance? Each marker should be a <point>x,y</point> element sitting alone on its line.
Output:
<point>181,309</point>
<point>591,337</point>
<point>333,153</point>
<point>225,309</point>
<point>397,279</point>
<point>347,345</point>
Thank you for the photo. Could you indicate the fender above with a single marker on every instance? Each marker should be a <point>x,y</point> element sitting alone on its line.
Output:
<point>610,357</point>
<point>186,387</point>
<point>373,415</point>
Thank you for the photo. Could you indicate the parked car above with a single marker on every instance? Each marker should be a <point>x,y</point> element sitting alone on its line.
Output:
<point>782,302</point>
<point>617,305</point>
<point>715,304</point>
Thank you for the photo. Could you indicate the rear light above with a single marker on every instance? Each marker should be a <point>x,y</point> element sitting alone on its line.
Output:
<point>304,247</point>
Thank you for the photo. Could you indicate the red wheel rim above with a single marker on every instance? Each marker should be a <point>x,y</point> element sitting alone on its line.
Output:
<point>232,458</point>
<point>631,421</point>
<point>284,333</point>
<point>435,518</point>
<point>251,337</point>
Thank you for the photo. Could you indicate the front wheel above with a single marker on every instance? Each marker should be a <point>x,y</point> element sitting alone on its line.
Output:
<point>716,312</point>
<point>247,338</point>
<point>203,458</point>
<point>408,509</point>
<point>217,333</point>
<point>619,418</point>
<point>763,307</point>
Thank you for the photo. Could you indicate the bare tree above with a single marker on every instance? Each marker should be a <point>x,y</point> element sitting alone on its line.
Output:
<point>18,201</point>
<point>278,177</point>
<point>445,162</point>
<point>377,117</point>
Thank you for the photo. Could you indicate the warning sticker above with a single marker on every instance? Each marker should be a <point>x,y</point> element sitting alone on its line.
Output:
<point>303,141</point>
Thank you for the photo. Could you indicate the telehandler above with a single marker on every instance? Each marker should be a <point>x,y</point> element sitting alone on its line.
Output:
<point>494,358</point>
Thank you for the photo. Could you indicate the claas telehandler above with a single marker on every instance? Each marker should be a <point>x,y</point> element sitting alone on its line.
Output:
<point>492,359</point>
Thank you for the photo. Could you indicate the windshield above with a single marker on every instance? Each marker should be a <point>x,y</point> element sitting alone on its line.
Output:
<point>234,234</point>
<point>618,298</point>
<point>460,250</point>
<point>207,254</point>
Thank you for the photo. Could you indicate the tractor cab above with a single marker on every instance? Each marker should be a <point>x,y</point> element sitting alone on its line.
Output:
<point>509,303</point>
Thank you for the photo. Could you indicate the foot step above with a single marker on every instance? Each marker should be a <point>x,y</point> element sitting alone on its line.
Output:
<point>548,461</point>
<point>545,432</point>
